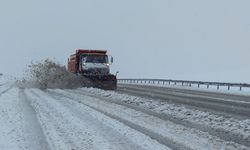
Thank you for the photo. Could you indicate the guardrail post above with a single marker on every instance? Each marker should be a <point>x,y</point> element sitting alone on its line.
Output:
<point>198,85</point>
<point>207,86</point>
<point>218,87</point>
<point>240,88</point>
<point>228,87</point>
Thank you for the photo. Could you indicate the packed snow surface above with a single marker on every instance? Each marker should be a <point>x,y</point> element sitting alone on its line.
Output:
<point>241,127</point>
<point>89,118</point>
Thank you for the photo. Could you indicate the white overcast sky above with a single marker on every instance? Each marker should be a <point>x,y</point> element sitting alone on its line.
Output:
<point>170,39</point>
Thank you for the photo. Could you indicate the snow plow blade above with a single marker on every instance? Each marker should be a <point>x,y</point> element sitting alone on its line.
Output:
<point>106,82</point>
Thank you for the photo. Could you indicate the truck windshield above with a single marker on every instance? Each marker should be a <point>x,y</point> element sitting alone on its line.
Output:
<point>95,59</point>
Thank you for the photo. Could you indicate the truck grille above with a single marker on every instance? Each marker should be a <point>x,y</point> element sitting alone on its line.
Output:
<point>98,71</point>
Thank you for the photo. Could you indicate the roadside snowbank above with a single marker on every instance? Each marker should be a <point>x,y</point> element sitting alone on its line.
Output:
<point>10,121</point>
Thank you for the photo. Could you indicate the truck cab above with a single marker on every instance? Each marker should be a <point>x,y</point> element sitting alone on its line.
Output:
<point>93,65</point>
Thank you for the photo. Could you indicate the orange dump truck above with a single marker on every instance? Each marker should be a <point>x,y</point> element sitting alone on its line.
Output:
<point>93,65</point>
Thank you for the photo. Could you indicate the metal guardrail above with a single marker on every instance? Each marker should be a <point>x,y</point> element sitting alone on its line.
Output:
<point>185,83</point>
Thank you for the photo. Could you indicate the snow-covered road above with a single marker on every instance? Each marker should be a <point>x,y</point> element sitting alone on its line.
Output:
<point>89,118</point>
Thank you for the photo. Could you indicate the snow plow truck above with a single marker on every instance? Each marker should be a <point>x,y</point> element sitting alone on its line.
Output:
<point>93,66</point>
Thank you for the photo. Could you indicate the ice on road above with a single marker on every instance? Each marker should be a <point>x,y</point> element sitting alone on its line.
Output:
<point>31,119</point>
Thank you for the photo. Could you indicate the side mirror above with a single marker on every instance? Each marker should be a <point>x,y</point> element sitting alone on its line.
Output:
<point>112,59</point>
<point>116,73</point>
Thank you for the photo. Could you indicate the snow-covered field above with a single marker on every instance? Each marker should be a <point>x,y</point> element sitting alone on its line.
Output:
<point>89,118</point>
